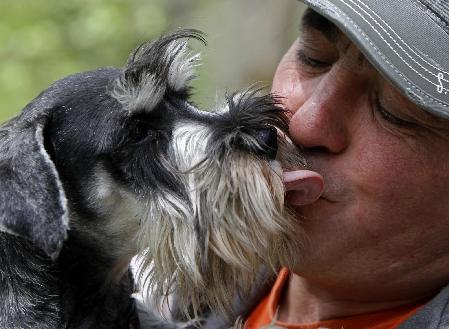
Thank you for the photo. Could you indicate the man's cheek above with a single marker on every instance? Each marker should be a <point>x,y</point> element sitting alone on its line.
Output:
<point>387,176</point>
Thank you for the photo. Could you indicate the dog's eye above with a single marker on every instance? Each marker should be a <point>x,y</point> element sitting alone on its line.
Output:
<point>140,131</point>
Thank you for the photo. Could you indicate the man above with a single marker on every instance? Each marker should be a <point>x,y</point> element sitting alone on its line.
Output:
<point>367,86</point>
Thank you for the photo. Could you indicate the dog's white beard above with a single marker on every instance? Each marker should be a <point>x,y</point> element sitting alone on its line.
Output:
<point>236,222</point>
<point>242,225</point>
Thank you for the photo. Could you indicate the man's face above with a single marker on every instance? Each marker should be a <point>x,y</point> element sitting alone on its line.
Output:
<point>382,222</point>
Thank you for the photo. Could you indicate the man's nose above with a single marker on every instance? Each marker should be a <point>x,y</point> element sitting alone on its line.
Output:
<point>321,122</point>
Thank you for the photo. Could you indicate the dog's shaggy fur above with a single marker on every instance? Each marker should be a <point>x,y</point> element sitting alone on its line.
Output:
<point>109,164</point>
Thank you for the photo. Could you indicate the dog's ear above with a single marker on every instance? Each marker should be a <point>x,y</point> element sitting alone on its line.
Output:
<point>165,64</point>
<point>32,200</point>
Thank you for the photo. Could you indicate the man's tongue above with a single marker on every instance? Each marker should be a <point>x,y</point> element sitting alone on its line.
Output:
<point>302,186</point>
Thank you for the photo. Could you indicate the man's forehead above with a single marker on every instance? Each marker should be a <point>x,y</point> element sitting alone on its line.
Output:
<point>312,20</point>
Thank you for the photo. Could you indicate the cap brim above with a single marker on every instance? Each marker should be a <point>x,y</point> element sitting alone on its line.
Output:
<point>402,40</point>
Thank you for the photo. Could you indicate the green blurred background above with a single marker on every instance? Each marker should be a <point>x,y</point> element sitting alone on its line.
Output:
<point>44,40</point>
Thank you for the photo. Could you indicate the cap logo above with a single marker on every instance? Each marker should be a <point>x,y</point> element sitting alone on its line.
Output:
<point>440,86</point>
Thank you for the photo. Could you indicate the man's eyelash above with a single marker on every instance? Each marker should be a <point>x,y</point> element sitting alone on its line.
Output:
<point>389,116</point>
<point>309,61</point>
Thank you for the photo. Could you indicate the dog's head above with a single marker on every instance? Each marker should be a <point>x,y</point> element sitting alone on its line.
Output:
<point>123,157</point>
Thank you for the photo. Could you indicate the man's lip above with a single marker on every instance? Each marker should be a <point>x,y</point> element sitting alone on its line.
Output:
<point>303,186</point>
<point>327,199</point>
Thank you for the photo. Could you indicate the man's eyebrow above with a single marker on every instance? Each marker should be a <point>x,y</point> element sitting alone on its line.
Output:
<point>311,19</point>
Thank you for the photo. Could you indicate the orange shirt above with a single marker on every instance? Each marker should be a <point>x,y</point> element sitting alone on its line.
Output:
<point>263,314</point>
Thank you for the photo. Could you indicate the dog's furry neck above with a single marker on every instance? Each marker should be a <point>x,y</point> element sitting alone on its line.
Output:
<point>84,269</point>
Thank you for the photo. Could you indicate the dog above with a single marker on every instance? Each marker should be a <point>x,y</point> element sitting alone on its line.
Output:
<point>117,162</point>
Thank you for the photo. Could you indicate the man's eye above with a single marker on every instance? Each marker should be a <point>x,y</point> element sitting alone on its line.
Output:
<point>389,117</point>
<point>309,61</point>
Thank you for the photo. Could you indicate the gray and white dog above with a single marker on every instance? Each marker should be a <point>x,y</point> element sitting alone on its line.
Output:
<point>112,163</point>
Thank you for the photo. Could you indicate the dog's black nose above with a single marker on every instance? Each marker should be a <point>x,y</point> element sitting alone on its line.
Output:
<point>268,141</point>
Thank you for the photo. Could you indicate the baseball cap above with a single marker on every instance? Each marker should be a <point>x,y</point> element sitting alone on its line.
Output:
<point>406,40</point>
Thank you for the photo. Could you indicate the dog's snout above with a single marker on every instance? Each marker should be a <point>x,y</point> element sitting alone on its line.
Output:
<point>267,139</point>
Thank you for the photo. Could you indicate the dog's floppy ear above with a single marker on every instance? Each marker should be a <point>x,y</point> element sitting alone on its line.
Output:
<point>32,201</point>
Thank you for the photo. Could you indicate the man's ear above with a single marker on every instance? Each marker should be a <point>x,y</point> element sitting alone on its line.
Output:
<point>32,201</point>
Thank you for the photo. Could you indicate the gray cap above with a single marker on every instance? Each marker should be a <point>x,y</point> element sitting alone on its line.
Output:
<point>406,40</point>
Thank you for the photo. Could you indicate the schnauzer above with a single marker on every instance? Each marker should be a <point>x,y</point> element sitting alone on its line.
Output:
<point>113,163</point>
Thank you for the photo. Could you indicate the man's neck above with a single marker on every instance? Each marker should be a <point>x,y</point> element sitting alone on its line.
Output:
<point>306,302</point>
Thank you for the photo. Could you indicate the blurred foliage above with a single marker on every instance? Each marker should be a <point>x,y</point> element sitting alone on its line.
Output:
<point>44,40</point>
